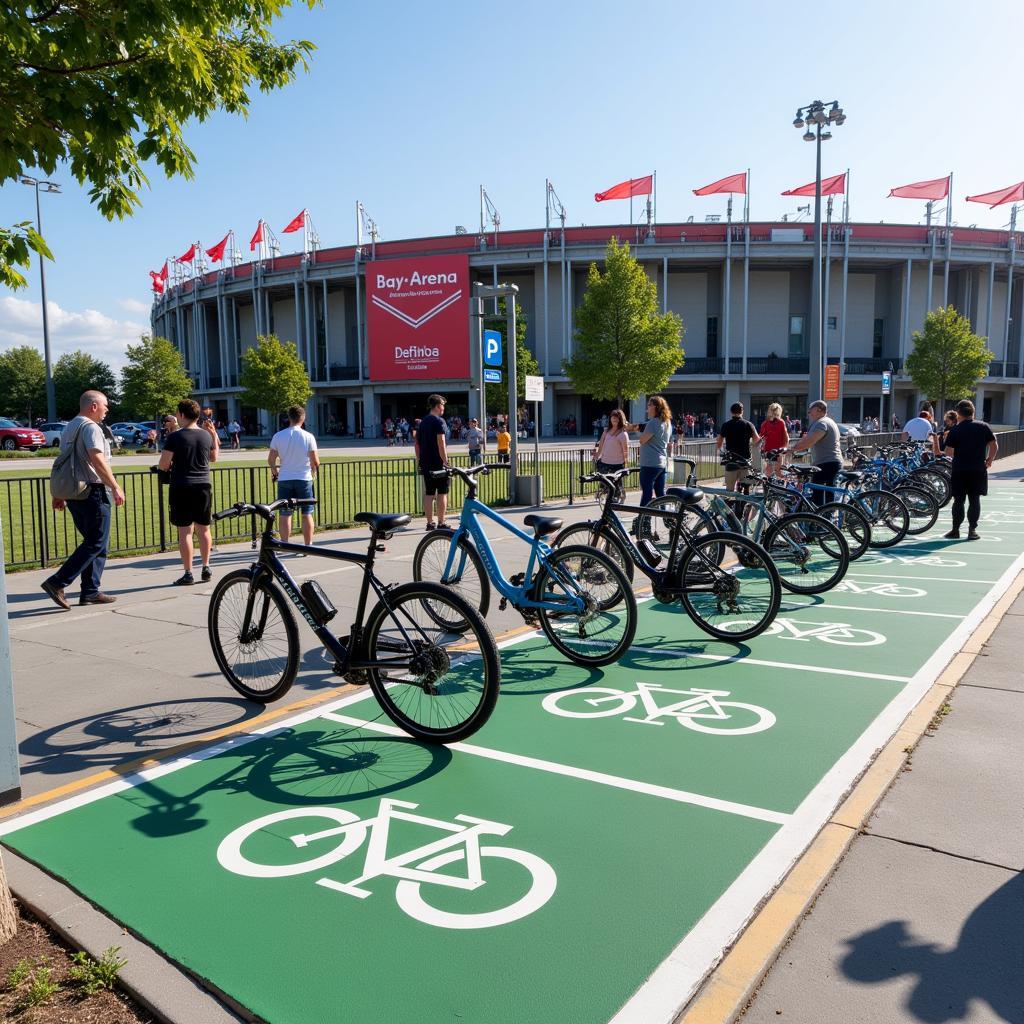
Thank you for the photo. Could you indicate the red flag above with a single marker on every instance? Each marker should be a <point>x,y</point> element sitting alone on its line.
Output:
<point>1013,194</point>
<point>163,272</point>
<point>836,185</point>
<point>257,237</point>
<point>937,188</point>
<point>189,256</point>
<point>626,189</point>
<point>734,183</point>
<point>217,252</point>
<point>297,224</point>
<point>158,284</point>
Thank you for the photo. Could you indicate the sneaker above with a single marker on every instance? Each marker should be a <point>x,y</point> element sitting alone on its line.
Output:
<point>56,594</point>
<point>206,574</point>
<point>97,599</point>
<point>973,535</point>
<point>186,580</point>
<point>431,526</point>
<point>952,535</point>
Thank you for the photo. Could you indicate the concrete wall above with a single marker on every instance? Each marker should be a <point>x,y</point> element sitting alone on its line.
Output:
<point>688,296</point>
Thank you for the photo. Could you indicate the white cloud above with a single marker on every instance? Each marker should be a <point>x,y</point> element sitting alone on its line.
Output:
<point>135,306</point>
<point>21,323</point>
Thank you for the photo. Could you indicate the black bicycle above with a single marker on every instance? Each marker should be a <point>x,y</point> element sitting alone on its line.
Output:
<point>735,602</point>
<point>436,682</point>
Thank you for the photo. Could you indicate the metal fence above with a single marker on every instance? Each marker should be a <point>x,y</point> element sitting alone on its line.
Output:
<point>35,534</point>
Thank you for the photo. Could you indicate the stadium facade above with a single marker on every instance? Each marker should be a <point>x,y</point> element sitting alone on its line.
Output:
<point>381,326</point>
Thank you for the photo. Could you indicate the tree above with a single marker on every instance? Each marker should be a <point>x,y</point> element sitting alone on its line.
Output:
<point>497,394</point>
<point>273,376</point>
<point>22,382</point>
<point>153,381</point>
<point>106,86</point>
<point>76,372</point>
<point>624,347</point>
<point>948,358</point>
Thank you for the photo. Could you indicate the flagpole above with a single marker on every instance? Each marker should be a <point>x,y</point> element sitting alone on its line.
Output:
<point>1009,291</point>
<point>846,272</point>
<point>949,240</point>
<point>746,269</point>
<point>728,279</point>
<point>826,287</point>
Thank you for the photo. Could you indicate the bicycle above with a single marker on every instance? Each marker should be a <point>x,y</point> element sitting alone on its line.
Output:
<point>425,865</point>
<point>574,594</point>
<point>884,474</point>
<point>439,685</point>
<point>693,574</point>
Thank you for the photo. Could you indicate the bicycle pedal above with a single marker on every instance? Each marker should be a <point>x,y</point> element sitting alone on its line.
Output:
<point>503,604</point>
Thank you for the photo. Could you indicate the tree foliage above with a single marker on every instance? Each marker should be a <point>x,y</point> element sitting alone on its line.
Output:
<point>624,347</point>
<point>22,383</point>
<point>497,394</point>
<point>948,358</point>
<point>273,376</point>
<point>107,86</point>
<point>76,372</point>
<point>153,381</point>
<point>17,243</point>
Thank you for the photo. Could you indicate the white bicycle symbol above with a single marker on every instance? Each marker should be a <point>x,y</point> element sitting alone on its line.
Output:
<point>828,632</point>
<point>700,709</point>
<point>413,868</point>
<point>873,558</point>
<point>882,589</point>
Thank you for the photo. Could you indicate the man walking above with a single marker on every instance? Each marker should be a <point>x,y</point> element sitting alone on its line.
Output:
<point>822,438</point>
<point>477,443</point>
<point>432,451</point>
<point>736,436</point>
<point>974,448</point>
<point>91,513</point>
<point>187,453</point>
<point>295,449</point>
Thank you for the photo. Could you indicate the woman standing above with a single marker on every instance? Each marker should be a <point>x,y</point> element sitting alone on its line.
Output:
<point>657,432</point>
<point>774,435</point>
<point>612,449</point>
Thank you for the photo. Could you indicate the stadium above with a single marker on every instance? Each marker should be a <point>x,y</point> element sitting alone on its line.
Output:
<point>381,325</point>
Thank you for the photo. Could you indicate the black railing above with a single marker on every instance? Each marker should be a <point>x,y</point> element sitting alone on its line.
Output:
<point>857,365</point>
<point>702,364</point>
<point>770,364</point>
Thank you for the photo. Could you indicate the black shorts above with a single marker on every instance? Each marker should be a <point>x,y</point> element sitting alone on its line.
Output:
<point>435,484</point>
<point>963,483</point>
<point>191,503</point>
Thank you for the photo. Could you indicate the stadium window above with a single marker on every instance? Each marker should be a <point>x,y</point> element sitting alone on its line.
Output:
<point>877,338</point>
<point>712,341</point>
<point>832,323</point>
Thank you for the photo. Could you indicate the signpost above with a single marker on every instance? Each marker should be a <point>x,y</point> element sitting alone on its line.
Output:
<point>886,390</point>
<point>535,393</point>
<point>492,376</point>
<point>10,779</point>
<point>492,348</point>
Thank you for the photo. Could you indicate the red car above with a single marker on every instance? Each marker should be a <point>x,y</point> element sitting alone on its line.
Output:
<point>14,436</point>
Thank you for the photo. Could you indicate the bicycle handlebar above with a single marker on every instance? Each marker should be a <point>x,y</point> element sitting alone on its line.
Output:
<point>244,508</point>
<point>611,478</point>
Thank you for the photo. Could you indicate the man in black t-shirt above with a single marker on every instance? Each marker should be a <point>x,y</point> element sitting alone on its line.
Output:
<point>432,453</point>
<point>735,435</point>
<point>188,453</point>
<point>974,448</point>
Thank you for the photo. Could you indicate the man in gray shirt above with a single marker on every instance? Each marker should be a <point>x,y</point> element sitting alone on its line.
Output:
<point>477,442</point>
<point>822,438</point>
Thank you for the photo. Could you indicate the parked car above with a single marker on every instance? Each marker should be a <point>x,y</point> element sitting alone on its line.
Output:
<point>52,431</point>
<point>849,430</point>
<point>14,436</point>
<point>129,433</point>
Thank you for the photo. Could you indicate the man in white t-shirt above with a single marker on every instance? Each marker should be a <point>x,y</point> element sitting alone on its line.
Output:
<point>921,428</point>
<point>293,462</point>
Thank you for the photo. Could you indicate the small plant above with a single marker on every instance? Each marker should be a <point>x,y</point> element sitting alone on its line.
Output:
<point>18,973</point>
<point>94,975</point>
<point>41,985</point>
<point>939,716</point>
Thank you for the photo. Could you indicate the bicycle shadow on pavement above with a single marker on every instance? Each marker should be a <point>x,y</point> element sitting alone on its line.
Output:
<point>661,654</point>
<point>533,673</point>
<point>308,768</point>
<point>986,964</point>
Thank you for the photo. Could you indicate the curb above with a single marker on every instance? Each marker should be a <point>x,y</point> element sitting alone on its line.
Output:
<point>727,990</point>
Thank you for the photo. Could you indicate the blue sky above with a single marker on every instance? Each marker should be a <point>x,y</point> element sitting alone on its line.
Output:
<point>409,107</point>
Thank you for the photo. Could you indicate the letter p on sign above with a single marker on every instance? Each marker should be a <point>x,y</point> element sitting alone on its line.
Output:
<point>492,348</point>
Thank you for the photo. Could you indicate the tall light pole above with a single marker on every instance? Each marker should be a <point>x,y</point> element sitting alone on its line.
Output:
<point>815,118</point>
<point>51,397</point>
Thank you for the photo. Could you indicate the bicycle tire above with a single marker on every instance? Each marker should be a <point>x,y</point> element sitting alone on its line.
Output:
<point>787,542</point>
<point>888,515</point>
<point>607,612</point>
<point>935,482</point>
<point>699,564</point>
<point>458,717</point>
<point>602,538</point>
<point>428,564</point>
<point>229,600</point>
<point>922,506</point>
<point>852,523</point>
<point>696,520</point>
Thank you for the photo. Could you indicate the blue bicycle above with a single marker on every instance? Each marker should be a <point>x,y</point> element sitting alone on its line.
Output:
<point>578,596</point>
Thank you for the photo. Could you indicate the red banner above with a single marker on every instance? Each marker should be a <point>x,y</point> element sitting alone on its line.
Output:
<point>937,188</point>
<point>257,237</point>
<point>1012,194</point>
<point>734,183</point>
<point>417,318</point>
<point>217,252</point>
<point>297,223</point>
<point>625,189</point>
<point>832,382</point>
<point>189,256</point>
<point>836,185</point>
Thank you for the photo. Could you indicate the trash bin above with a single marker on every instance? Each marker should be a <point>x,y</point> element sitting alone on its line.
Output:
<point>529,490</point>
<point>681,469</point>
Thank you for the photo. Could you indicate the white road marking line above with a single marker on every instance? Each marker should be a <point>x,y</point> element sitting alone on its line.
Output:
<point>14,628</point>
<point>857,608</point>
<point>949,550</point>
<point>327,572</point>
<point>555,768</point>
<point>929,579</point>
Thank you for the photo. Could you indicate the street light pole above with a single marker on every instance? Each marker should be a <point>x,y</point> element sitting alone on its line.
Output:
<point>51,396</point>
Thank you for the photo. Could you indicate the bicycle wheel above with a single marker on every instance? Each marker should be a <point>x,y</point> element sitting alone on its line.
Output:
<point>603,539</point>
<point>716,596</point>
<point>935,482</point>
<point>602,632</point>
<point>443,684</point>
<point>809,552</point>
<point>661,530</point>
<point>469,578</point>
<point>259,662</point>
<point>888,515</point>
<point>851,522</point>
<point>922,507</point>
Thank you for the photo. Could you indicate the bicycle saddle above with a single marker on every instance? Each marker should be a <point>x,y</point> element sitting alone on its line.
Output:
<point>850,474</point>
<point>381,523</point>
<point>807,471</point>
<point>686,495</point>
<point>543,525</point>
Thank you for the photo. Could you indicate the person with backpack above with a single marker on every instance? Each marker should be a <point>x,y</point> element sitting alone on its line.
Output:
<point>82,483</point>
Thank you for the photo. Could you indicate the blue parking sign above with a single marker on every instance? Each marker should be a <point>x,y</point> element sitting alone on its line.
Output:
<point>492,348</point>
<point>886,382</point>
